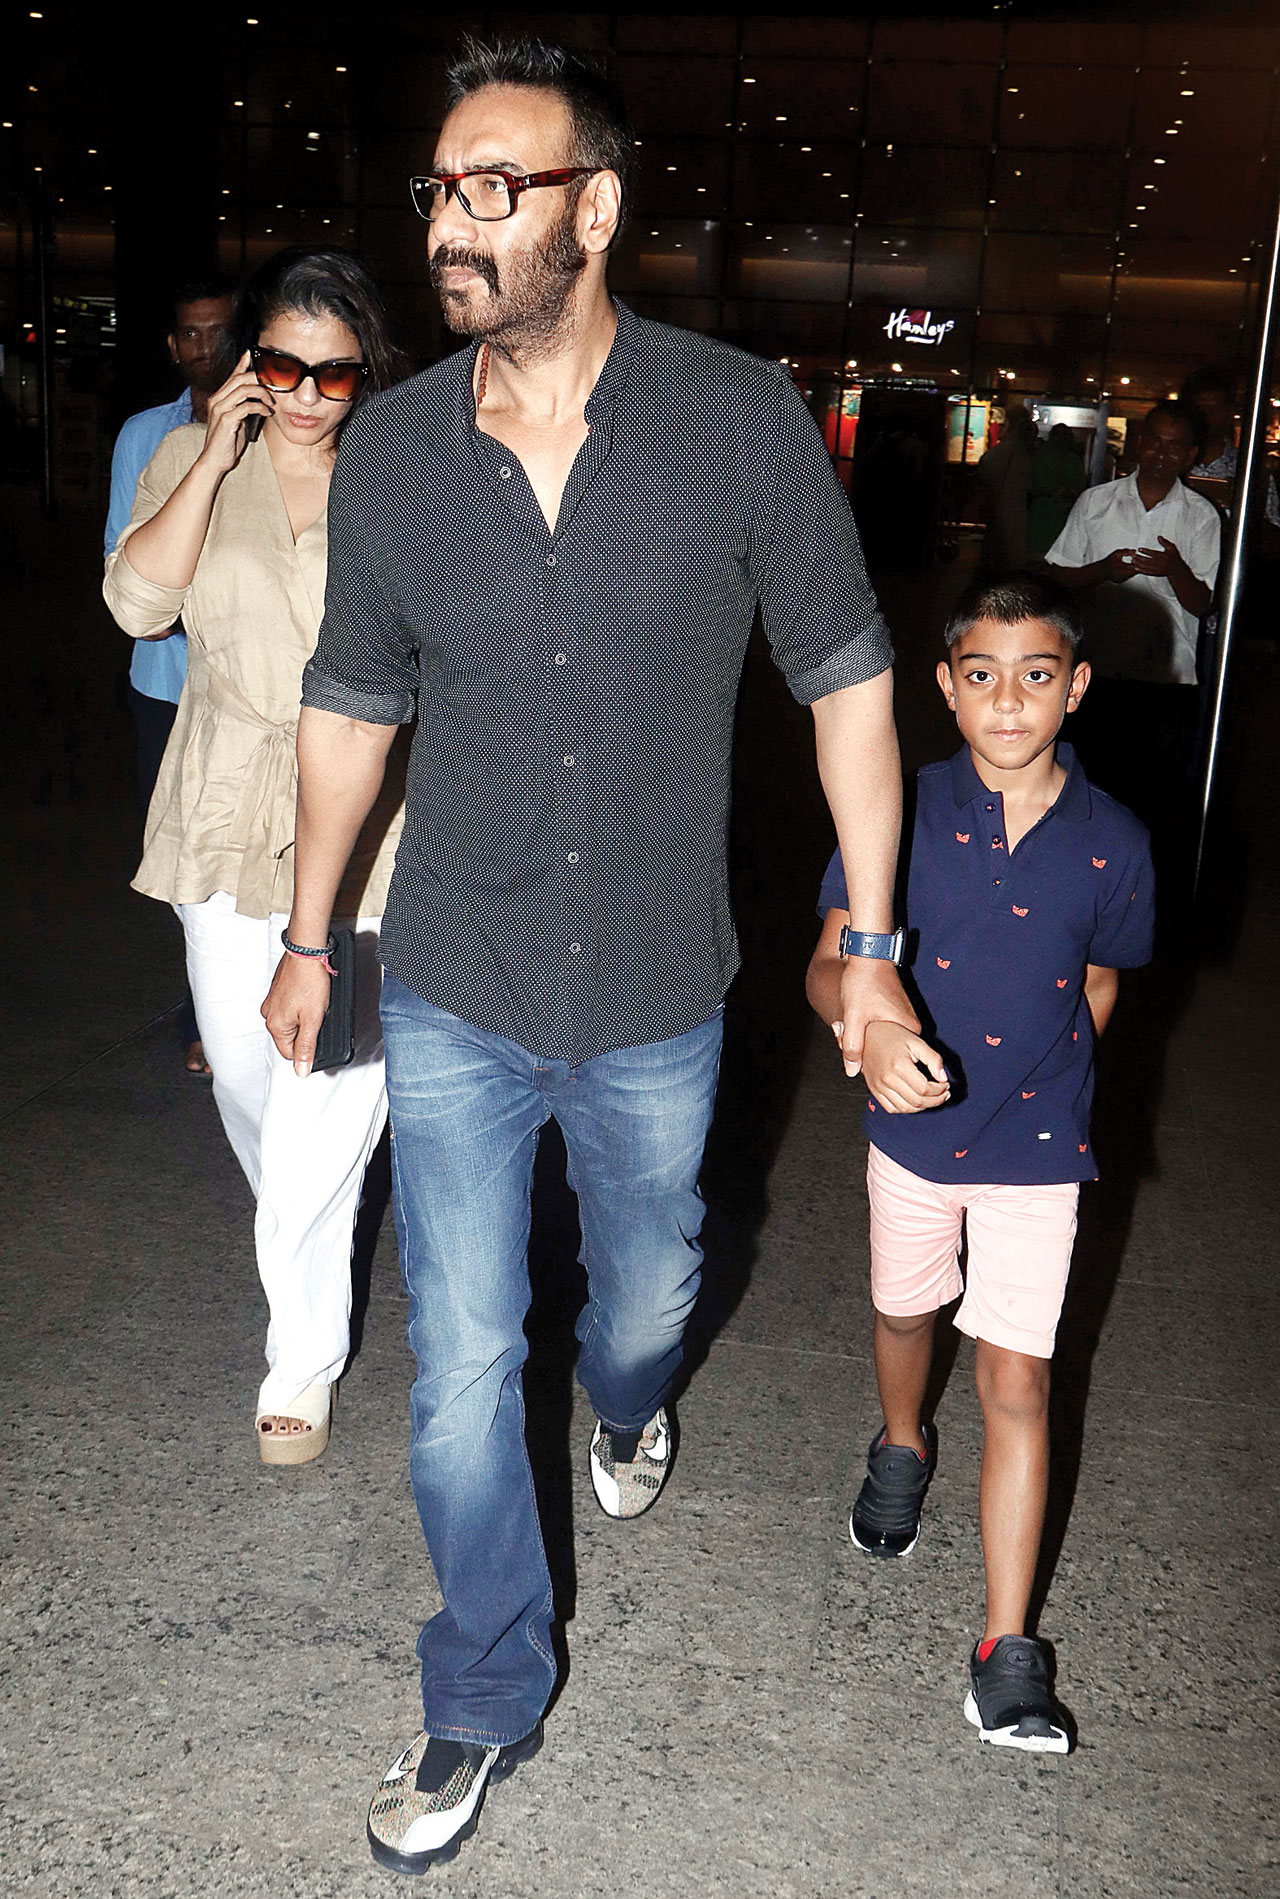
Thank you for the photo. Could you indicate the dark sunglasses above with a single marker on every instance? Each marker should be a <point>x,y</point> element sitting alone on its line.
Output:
<point>336,380</point>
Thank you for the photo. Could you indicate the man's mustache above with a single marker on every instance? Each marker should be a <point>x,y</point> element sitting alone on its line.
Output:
<point>459,259</point>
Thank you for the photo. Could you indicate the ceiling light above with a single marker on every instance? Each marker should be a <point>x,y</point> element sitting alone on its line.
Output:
<point>748,82</point>
<point>1187,93</point>
<point>1124,380</point>
<point>779,118</point>
<point>337,69</point>
<point>806,148</point>
<point>896,367</point>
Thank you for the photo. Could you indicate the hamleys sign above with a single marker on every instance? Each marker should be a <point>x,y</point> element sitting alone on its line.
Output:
<point>918,326</point>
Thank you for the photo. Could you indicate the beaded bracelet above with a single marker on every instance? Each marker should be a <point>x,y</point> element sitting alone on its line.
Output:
<point>311,955</point>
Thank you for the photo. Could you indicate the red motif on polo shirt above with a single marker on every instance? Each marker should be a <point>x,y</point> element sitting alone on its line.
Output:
<point>961,1152</point>
<point>1084,1147</point>
<point>1099,863</point>
<point>996,844</point>
<point>994,1041</point>
<point>1062,982</point>
<point>1075,1035</point>
<point>871,1107</point>
<point>943,962</point>
<point>962,837</point>
<point>1028,1094</point>
<point>1017,912</point>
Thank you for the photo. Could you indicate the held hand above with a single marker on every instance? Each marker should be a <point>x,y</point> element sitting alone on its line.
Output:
<point>241,396</point>
<point>294,1008</point>
<point>1119,564</point>
<point>889,1058</point>
<point>1163,562</point>
<point>870,991</point>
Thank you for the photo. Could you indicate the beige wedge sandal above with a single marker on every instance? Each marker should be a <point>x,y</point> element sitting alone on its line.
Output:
<point>297,1435</point>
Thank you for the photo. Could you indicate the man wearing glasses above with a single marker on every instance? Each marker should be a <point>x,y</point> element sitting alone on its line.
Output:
<point>555,544</point>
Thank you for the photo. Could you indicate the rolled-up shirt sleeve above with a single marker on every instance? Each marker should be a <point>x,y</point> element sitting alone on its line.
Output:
<point>142,607</point>
<point>816,603</point>
<point>365,665</point>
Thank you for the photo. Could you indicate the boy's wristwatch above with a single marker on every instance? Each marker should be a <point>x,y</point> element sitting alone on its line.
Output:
<point>884,949</point>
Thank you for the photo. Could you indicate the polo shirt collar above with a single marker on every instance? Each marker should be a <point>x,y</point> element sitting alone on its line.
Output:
<point>1072,803</point>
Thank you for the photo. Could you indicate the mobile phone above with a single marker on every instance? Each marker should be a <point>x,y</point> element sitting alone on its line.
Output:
<point>336,1042</point>
<point>253,427</point>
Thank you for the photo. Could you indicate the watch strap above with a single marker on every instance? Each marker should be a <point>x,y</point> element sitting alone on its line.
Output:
<point>885,948</point>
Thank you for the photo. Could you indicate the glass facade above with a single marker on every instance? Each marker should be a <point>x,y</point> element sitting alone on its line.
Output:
<point>973,206</point>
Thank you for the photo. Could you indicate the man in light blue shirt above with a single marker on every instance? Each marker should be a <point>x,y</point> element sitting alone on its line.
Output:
<point>201,325</point>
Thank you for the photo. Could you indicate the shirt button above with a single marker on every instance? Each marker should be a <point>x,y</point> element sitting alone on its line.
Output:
<point>551,560</point>
<point>575,949</point>
<point>995,883</point>
<point>573,857</point>
<point>990,807</point>
<point>561,658</point>
<point>569,759</point>
<point>506,476</point>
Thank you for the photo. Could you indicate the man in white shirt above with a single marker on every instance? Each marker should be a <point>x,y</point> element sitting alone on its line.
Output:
<point>1145,550</point>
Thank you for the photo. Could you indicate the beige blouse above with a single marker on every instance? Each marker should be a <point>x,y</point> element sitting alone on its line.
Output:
<point>222,814</point>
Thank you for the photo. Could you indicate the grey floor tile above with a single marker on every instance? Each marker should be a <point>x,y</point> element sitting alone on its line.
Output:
<point>1129,1833</point>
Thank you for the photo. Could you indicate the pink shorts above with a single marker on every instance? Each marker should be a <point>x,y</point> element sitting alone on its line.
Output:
<point>1020,1241</point>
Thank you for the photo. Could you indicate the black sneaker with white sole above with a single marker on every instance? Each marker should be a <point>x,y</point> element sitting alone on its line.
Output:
<point>628,1472</point>
<point>886,1517</point>
<point>430,1798</point>
<point>1010,1700</point>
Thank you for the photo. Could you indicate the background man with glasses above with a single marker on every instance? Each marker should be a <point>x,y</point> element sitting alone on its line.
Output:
<point>555,544</point>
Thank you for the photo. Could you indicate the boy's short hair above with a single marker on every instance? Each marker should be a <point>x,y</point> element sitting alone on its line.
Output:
<point>1012,597</point>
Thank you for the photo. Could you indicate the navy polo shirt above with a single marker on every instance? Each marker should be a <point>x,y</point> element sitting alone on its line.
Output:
<point>998,946</point>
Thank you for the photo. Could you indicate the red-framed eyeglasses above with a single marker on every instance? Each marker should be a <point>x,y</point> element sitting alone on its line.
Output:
<point>490,195</point>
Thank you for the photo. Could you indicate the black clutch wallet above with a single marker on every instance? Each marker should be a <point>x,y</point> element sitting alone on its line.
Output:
<point>336,1042</point>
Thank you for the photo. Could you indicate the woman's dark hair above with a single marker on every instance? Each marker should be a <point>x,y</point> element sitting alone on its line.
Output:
<point>600,132</point>
<point>331,283</point>
<point>1013,598</point>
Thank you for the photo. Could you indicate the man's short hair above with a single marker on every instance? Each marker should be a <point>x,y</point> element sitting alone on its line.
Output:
<point>600,132</point>
<point>1191,419</point>
<point>1208,377</point>
<point>199,290</point>
<point>1010,598</point>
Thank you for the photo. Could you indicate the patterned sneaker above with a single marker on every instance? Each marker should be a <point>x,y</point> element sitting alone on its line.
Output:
<point>886,1517</point>
<point>430,1799</point>
<point>1010,1701</point>
<point>628,1472</point>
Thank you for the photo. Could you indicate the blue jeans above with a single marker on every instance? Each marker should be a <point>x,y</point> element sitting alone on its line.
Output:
<point>466,1108</point>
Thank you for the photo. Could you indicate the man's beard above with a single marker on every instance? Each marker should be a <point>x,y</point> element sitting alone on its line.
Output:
<point>522,314</point>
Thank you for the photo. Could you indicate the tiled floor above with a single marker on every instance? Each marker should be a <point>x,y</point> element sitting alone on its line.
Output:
<point>207,1664</point>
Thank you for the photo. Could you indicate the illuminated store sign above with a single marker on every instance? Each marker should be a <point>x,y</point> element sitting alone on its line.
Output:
<point>918,326</point>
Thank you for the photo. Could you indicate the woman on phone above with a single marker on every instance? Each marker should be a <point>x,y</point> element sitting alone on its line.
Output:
<point>229,529</point>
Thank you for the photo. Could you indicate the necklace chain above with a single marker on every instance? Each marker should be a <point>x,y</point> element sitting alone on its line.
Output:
<point>482,375</point>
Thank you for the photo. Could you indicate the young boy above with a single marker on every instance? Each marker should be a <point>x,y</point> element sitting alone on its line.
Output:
<point>1026,890</point>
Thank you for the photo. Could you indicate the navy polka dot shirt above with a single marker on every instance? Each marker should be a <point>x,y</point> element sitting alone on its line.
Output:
<point>999,942</point>
<point>562,879</point>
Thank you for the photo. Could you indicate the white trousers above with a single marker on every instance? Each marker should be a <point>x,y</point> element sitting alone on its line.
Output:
<point>304,1144</point>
